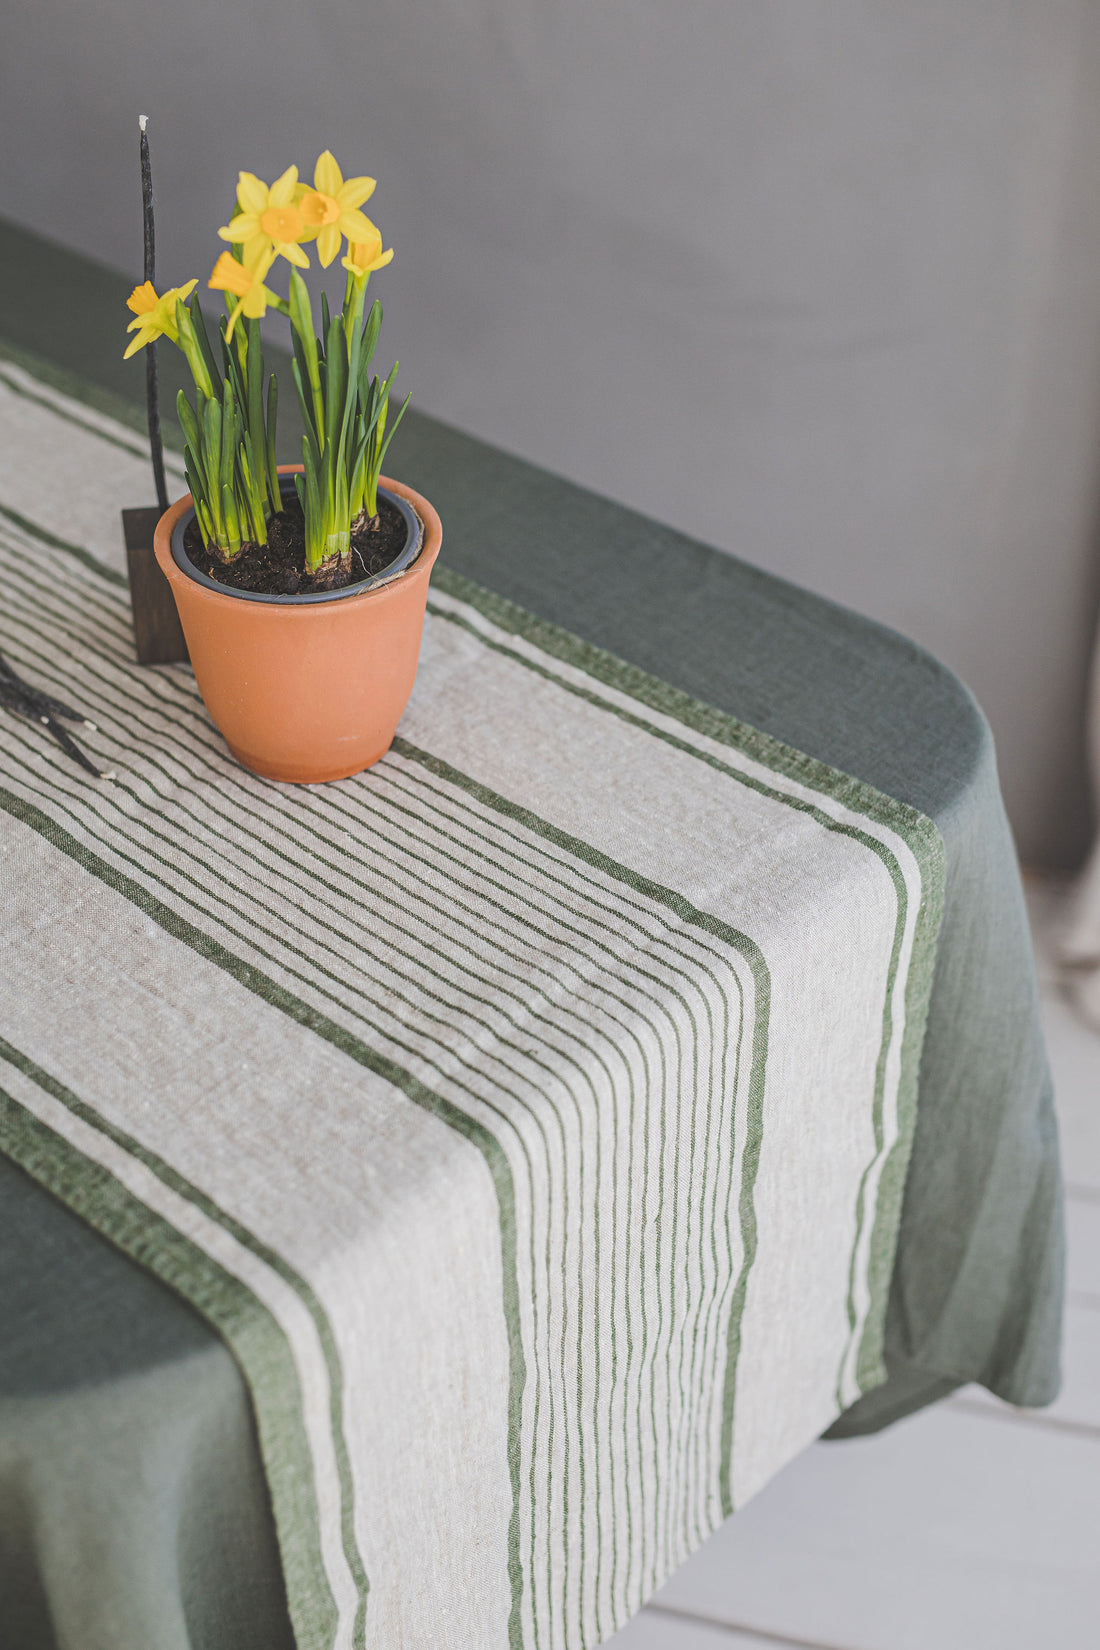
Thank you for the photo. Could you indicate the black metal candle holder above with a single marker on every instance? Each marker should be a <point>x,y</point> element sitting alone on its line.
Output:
<point>158,636</point>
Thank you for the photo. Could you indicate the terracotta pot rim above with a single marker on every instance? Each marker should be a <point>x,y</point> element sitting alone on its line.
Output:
<point>174,522</point>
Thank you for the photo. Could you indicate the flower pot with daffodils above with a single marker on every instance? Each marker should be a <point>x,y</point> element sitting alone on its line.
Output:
<point>301,589</point>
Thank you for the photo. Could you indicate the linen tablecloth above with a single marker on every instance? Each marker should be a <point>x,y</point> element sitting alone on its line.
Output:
<point>128,1501</point>
<point>530,1114</point>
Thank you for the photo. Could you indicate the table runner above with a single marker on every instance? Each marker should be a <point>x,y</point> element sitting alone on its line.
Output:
<point>530,1114</point>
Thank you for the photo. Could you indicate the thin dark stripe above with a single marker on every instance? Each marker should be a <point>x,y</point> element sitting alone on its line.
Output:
<point>670,1453</point>
<point>754,1128</point>
<point>75,550</point>
<point>132,447</point>
<point>119,409</point>
<point>673,1454</point>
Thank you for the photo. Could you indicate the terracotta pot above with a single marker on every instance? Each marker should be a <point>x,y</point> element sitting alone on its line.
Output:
<point>305,688</point>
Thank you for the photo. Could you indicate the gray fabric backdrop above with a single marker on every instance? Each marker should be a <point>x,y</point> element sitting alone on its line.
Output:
<point>818,282</point>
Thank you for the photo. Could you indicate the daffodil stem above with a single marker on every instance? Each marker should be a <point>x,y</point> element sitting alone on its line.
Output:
<point>152,388</point>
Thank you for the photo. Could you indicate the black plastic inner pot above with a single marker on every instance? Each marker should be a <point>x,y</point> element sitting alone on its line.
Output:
<point>413,542</point>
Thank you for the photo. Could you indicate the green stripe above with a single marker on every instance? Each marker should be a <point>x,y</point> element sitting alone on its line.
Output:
<point>25,394</point>
<point>671,1453</point>
<point>75,550</point>
<point>657,695</point>
<point>870,1361</point>
<point>595,885</point>
<point>392,783</point>
<point>130,414</point>
<point>243,1321</point>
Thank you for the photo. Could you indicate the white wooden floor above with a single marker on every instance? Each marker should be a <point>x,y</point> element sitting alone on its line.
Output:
<point>970,1526</point>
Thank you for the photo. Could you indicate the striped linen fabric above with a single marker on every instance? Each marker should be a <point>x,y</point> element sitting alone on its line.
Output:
<point>529,1114</point>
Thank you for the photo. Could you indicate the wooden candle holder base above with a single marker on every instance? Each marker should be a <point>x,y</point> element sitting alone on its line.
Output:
<point>158,636</point>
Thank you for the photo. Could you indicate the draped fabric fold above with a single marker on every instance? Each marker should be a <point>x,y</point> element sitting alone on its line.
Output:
<point>1080,945</point>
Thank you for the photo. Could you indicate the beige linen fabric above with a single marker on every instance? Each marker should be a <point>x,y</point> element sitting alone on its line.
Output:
<point>530,1114</point>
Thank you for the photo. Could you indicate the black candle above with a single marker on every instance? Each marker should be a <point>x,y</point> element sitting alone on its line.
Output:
<point>152,394</point>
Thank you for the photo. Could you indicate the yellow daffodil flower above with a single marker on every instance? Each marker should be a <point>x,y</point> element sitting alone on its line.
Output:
<point>156,317</point>
<point>246,283</point>
<point>269,217</point>
<point>366,256</point>
<point>330,208</point>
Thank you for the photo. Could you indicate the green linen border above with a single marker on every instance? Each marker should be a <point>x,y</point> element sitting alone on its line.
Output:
<point>250,1331</point>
